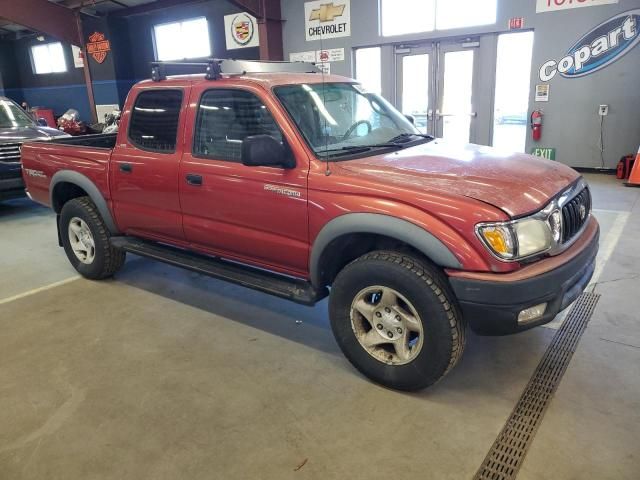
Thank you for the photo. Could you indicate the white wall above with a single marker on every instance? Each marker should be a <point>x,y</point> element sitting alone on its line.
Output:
<point>571,123</point>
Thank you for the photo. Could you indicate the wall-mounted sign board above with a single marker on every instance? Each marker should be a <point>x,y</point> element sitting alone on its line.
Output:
<point>599,47</point>
<point>555,5</point>
<point>325,68</point>
<point>241,31</point>
<point>98,46</point>
<point>516,23</point>
<point>323,19</point>
<point>78,56</point>
<point>542,92</point>
<point>544,152</point>
<point>309,56</point>
<point>321,56</point>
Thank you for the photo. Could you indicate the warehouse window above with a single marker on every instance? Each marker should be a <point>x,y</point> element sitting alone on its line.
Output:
<point>154,120</point>
<point>511,99</point>
<point>181,40</point>
<point>400,17</point>
<point>48,58</point>
<point>225,119</point>
<point>368,69</point>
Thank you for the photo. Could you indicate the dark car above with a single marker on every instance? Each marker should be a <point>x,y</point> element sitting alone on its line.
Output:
<point>16,127</point>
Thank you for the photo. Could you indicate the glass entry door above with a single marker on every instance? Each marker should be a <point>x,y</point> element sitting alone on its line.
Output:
<point>435,86</point>
<point>415,76</point>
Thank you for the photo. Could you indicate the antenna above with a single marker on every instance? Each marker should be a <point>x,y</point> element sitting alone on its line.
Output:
<point>327,170</point>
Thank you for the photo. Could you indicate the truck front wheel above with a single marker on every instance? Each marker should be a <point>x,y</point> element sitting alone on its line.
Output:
<point>85,238</point>
<point>396,320</point>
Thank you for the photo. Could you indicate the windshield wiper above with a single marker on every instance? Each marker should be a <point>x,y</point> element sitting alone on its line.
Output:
<point>395,142</point>
<point>355,149</point>
<point>407,136</point>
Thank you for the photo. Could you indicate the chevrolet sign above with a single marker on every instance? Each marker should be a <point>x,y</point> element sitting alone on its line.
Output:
<point>327,12</point>
<point>327,19</point>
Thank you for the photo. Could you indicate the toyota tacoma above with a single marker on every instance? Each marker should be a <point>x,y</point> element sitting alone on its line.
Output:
<point>305,185</point>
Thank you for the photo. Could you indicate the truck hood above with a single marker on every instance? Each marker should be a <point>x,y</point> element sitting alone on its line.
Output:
<point>32,132</point>
<point>513,182</point>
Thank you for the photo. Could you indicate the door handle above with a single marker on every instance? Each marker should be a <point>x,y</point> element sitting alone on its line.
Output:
<point>126,168</point>
<point>193,179</point>
<point>471,114</point>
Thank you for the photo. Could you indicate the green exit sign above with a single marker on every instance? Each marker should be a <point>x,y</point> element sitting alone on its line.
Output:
<point>548,153</point>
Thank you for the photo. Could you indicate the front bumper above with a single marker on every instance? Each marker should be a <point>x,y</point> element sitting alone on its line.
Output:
<point>491,305</point>
<point>11,188</point>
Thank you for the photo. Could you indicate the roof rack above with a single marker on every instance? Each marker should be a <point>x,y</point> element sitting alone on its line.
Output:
<point>214,68</point>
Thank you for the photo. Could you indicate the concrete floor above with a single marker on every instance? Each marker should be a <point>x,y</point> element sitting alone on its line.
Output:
<point>165,374</point>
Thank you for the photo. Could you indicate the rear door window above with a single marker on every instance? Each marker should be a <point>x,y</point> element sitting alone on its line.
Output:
<point>154,120</point>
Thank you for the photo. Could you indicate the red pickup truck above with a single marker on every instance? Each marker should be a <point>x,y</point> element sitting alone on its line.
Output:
<point>298,184</point>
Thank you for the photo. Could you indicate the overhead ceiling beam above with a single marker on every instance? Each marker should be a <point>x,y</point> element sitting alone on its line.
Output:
<point>261,9</point>
<point>43,16</point>
<point>78,4</point>
<point>253,7</point>
<point>151,7</point>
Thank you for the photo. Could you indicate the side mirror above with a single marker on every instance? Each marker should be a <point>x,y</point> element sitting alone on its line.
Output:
<point>42,122</point>
<point>411,118</point>
<point>265,151</point>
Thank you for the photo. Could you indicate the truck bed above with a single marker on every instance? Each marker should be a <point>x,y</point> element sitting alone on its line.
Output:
<point>87,155</point>
<point>100,140</point>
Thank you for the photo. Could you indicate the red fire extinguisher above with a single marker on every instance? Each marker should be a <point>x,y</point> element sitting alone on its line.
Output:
<point>536,124</point>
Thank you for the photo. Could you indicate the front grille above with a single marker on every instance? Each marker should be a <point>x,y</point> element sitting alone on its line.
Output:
<point>9,152</point>
<point>575,214</point>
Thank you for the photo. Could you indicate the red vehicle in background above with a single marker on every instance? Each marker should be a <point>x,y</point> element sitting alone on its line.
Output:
<point>278,178</point>
<point>70,123</point>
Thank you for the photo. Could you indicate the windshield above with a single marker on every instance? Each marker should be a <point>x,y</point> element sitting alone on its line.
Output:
<point>11,115</point>
<point>342,119</point>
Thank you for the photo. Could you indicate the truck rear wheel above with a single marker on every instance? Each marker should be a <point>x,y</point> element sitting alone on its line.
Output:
<point>85,238</point>
<point>396,320</point>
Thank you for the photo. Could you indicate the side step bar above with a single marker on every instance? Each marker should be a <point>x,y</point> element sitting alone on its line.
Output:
<point>293,289</point>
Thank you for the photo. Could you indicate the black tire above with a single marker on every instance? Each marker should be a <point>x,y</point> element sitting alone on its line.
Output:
<point>426,287</point>
<point>107,260</point>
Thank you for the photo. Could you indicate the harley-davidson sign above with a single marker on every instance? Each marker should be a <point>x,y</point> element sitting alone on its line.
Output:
<point>98,46</point>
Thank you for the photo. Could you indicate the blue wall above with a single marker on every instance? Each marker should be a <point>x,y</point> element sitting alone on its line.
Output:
<point>63,97</point>
<point>129,58</point>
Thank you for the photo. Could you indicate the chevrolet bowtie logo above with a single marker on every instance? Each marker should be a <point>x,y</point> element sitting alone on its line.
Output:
<point>327,12</point>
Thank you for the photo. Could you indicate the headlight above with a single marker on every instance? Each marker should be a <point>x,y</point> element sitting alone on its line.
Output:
<point>499,238</point>
<point>523,237</point>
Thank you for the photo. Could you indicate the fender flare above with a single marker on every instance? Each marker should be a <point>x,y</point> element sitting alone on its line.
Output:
<point>88,186</point>
<point>380,224</point>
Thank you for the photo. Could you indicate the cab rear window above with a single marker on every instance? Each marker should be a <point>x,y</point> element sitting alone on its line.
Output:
<point>154,120</point>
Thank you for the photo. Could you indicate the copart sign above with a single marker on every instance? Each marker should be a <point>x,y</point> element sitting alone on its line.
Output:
<point>324,19</point>
<point>555,5</point>
<point>600,47</point>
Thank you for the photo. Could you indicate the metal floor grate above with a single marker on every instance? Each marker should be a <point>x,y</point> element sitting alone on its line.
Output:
<point>507,453</point>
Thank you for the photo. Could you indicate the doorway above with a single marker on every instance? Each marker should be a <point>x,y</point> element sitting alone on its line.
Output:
<point>511,99</point>
<point>435,84</point>
<point>444,85</point>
